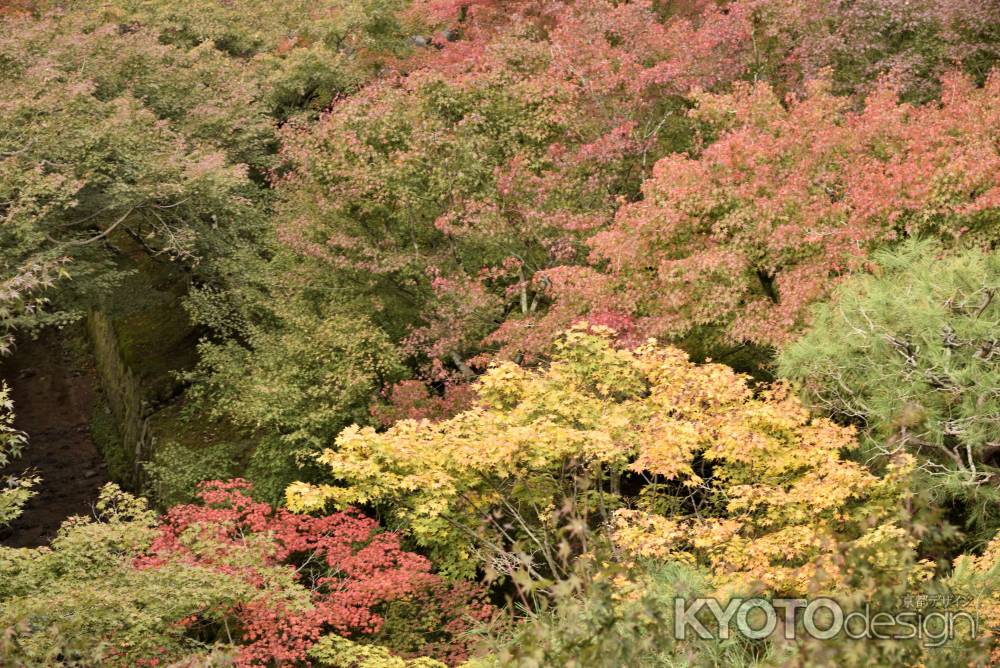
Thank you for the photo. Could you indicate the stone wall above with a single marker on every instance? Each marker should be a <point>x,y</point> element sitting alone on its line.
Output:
<point>124,395</point>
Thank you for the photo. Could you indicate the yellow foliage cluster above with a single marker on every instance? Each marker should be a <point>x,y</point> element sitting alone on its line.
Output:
<point>334,651</point>
<point>736,478</point>
<point>977,580</point>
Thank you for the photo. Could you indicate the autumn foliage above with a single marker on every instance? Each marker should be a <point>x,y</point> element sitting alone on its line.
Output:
<point>748,234</point>
<point>485,201</point>
<point>582,305</point>
<point>773,494</point>
<point>349,570</point>
<point>442,194</point>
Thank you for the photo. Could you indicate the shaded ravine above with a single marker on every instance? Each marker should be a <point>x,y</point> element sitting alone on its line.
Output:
<point>53,388</point>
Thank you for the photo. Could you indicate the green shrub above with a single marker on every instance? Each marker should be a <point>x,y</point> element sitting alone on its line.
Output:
<point>79,602</point>
<point>291,385</point>
<point>176,469</point>
<point>622,618</point>
<point>17,491</point>
<point>911,354</point>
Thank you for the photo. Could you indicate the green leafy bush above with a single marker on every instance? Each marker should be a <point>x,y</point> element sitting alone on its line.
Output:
<point>176,469</point>
<point>101,136</point>
<point>625,617</point>
<point>17,490</point>
<point>911,354</point>
<point>294,384</point>
<point>78,602</point>
<point>305,53</point>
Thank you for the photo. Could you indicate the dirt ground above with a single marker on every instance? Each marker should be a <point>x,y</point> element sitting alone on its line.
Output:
<point>53,387</point>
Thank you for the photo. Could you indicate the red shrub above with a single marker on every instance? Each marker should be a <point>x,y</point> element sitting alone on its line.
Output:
<point>350,568</point>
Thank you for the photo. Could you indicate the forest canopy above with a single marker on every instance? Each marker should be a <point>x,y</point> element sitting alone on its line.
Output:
<point>421,333</point>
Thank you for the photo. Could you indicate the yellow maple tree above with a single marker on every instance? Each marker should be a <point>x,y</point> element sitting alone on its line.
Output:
<point>679,460</point>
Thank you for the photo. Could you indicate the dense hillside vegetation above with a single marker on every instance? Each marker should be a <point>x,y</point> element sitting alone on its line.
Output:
<point>495,333</point>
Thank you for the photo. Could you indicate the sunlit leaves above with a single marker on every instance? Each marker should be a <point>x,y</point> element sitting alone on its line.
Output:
<point>769,487</point>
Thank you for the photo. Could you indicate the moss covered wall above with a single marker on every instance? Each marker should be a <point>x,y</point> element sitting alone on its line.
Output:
<point>124,398</point>
<point>141,338</point>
